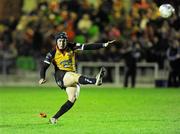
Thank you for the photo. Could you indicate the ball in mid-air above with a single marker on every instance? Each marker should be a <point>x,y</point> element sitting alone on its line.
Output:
<point>166,10</point>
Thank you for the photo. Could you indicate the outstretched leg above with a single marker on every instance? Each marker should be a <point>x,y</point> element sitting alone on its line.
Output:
<point>71,78</point>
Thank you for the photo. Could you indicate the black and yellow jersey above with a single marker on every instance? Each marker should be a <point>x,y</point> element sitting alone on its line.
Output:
<point>65,60</point>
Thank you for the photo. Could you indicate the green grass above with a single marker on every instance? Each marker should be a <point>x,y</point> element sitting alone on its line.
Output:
<point>97,111</point>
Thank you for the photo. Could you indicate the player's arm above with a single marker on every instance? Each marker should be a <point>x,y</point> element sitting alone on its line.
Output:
<point>43,73</point>
<point>94,46</point>
<point>46,63</point>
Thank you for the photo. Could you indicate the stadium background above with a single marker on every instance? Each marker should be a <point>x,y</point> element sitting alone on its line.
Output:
<point>26,29</point>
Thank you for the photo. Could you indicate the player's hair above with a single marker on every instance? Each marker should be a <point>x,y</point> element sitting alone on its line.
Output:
<point>61,35</point>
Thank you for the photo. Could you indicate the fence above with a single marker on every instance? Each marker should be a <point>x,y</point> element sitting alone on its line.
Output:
<point>145,71</point>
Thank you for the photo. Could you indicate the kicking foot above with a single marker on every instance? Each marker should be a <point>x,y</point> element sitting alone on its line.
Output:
<point>100,76</point>
<point>52,120</point>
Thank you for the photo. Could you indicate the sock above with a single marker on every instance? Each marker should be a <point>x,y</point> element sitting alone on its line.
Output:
<point>86,80</point>
<point>64,108</point>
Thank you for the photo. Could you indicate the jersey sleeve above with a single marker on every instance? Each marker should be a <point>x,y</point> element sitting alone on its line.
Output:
<point>75,46</point>
<point>93,46</point>
<point>46,63</point>
<point>49,57</point>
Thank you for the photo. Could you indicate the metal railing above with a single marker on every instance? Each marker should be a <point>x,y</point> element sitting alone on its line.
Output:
<point>117,66</point>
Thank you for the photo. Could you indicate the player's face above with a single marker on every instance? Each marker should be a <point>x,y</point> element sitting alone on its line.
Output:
<point>61,43</point>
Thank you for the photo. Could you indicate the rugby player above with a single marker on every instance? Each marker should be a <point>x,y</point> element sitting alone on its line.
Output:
<point>63,59</point>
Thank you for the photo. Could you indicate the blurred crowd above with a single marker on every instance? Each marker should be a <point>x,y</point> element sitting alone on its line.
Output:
<point>84,21</point>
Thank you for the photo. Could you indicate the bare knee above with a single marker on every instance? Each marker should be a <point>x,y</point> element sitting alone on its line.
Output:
<point>72,98</point>
<point>71,92</point>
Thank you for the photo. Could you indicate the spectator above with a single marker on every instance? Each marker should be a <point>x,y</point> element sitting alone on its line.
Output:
<point>84,24</point>
<point>173,55</point>
<point>77,17</point>
<point>9,58</point>
<point>131,56</point>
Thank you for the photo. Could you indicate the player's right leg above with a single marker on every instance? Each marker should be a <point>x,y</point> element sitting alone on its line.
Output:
<point>72,93</point>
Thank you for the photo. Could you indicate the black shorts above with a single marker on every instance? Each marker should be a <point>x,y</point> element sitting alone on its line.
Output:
<point>59,75</point>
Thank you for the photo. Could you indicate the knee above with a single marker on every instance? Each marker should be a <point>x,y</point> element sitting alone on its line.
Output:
<point>72,99</point>
<point>77,91</point>
<point>76,79</point>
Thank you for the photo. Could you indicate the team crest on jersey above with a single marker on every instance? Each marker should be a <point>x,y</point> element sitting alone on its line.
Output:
<point>66,63</point>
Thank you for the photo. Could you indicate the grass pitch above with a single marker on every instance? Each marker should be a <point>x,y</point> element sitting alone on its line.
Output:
<point>97,111</point>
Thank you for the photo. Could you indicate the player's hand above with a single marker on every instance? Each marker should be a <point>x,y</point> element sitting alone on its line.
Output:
<point>41,81</point>
<point>112,42</point>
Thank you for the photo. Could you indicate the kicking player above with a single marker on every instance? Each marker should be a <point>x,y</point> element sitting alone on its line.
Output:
<point>63,59</point>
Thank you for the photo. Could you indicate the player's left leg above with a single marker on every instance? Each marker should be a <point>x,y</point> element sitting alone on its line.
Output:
<point>71,78</point>
<point>72,93</point>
